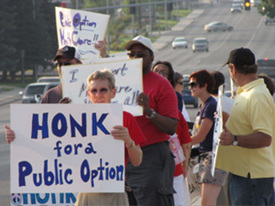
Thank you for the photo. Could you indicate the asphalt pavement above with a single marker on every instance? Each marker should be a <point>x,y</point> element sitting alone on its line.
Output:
<point>166,37</point>
<point>9,94</point>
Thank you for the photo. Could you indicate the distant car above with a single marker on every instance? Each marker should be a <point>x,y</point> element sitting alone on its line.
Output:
<point>189,99</point>
<point>269,20</point>
<point>218,26</point>
<point>266,66</point>
<point>255,3</point>
<point>180,42</point>
<point>49,79</point>
<point>34,92</point>
<point>200,44</point>
<point>228,93</point>
<point>236,9</point>
<point>238,3</point>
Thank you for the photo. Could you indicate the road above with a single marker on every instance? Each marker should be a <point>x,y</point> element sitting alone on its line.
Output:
<point>249,31</point>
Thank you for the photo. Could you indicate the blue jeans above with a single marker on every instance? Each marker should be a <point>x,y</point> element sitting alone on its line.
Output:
<point>247,191</point>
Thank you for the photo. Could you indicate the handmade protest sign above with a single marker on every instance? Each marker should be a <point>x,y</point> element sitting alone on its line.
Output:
<point>66,148</point>
<point>80,29</point>
<point>45,199</point>
<point>128,75</point>
<point>217,130</point>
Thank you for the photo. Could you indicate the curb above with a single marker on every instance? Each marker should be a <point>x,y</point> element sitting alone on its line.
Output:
<point>9,100</point>
<point>8,97</point>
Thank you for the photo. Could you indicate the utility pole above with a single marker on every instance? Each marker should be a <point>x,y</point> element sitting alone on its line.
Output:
<point>108,34</point>
<point>132,10</point>
<point>23,66</point>
<point>150,18</point>
<point>165,14</point>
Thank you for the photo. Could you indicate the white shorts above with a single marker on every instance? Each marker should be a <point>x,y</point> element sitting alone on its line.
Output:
<point>182,195</point>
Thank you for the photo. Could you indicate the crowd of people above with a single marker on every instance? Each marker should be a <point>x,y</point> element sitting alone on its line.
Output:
<point>158,143</point>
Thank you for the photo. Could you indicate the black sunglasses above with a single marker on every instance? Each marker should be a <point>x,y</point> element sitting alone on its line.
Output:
<point>63,64</point>
<point>101,91</point>
<point>180,83</point>
<point>139,55</point>
<point>193,84</point>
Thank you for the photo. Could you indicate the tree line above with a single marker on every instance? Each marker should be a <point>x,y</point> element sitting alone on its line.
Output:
<point>27,35</point>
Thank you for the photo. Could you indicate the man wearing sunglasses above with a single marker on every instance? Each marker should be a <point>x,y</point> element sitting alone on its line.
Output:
<point>152,181</point>
<point>247,152</point>
<point>65,56</point>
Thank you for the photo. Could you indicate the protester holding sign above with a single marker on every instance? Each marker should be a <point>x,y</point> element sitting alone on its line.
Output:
<point>152,181</point>
<point>249,133</point>
<point>226,104</point>
<point>65,56</point>
<point>201,84</point>
<point>101,89</point>
<point>180,143</point>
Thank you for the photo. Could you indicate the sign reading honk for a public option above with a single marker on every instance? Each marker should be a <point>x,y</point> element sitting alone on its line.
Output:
<point>128,81</point>
<point>66,148</point>
<point>80,29</point>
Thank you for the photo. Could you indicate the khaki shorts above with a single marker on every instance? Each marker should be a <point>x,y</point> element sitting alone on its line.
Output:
<point>102,199</point>
<point>204,175</point>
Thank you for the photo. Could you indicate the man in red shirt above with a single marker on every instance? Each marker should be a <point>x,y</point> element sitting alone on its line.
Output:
<point>152,181</point>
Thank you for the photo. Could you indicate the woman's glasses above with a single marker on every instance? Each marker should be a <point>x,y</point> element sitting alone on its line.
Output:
<point>193,84</point>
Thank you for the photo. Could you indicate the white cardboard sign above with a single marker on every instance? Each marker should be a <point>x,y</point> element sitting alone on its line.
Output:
<point>66,148</point>
<point>218,127</point>
<point>128,75</point>
<point>80,29</point>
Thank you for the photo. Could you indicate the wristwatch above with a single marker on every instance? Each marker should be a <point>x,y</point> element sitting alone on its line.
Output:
<point>235,143</point>
<point>153,113</point>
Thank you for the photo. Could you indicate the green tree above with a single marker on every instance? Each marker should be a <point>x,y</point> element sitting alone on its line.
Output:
<point>267,7</point>
<point>29,37</point>
<point>9,59</point>
<point>47,34</point>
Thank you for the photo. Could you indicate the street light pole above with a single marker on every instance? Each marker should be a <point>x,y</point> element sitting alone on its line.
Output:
<point>150,18</point>
<point>108,35</point>
<point>165,14</point>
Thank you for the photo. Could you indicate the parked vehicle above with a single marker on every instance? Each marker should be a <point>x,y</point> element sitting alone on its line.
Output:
<point>200,44</point>
<point>255,3</point>
<point>49,79</point>
<point>34,92</point>
<point>180,42</point>
<point>238,3</point>
<point>218,26</point>
<point>228,93</point>
<point>269,20</point>
<point>236,9</point>
<point>267,66</point>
